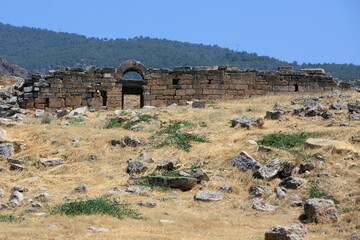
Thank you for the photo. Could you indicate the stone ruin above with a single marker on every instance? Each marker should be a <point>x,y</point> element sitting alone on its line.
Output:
<point>74,87</point>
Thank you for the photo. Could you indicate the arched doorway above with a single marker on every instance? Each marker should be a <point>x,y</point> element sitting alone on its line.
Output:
<point>132,79</point>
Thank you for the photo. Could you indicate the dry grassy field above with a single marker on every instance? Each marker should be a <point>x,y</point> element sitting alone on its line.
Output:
<point>188,219</point>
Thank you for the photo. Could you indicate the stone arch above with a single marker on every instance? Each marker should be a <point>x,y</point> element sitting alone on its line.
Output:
<point>132,66</point>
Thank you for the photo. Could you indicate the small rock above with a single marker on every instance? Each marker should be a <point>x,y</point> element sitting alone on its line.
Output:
<point>39,113</point>
<point>51,163</point>
<point>93,157</point>
<point>225,188</point>
<point>131,141</point>
<point>292,182</point>
<point>36,205</point>
<point>306,167</point>
<point>208,196</point>
<point>147,204</point>
<point>98,229</point>
<point>43,197</point>
<point>259,205</point>
<point>169,163</point>
<point>6,150</point>
<point>257,190</point>
<point>198,104</point>
<point>245,162</point>
<point>264,149</point>
<point>137,189</point>
<point>75,142</point>
<point>16,195</point>
<point>137,167</point>
<point>323,175</point>
<point>274,115</point>
<point>269,170</point>
<point>247,121</point>
<point>251,142</point>
<point>14,166</point>
<point>290,232</point>
<point>183,183</point>
<point>80,188</point>
<point>280,192</point>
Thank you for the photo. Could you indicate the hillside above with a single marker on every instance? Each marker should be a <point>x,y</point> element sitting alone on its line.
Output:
<point>39,50</point>
<point>8,69</point>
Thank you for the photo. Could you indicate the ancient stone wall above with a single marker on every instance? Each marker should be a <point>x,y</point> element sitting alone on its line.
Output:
<point>105,87</point>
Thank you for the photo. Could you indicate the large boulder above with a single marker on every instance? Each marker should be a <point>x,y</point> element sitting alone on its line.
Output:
<point>137,167</point>
<point>269,170</point>
<point>208,196</point>
<point>183,183</point>
<point>290,232</point>
<point>245,162</point>
<point>320,210</point>
<point>247,121</point>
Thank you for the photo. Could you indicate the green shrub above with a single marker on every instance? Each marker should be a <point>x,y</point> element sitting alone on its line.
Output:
<point>47,118</point>
<point>97,205</point>
<point>211,102</point>
<point>77,121</point>
<point>128,124</point>
<point>177,137</point>
<point>315,191</point>
<point>10,218</point>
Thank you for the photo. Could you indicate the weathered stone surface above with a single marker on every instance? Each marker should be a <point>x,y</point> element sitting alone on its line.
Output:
<point>259,205</point>
<point>327,115</point>
<point>183,183</point>
<point>39,113</point>
<point>247,121</point>
<point>320,210</point>
<point>137,167</point>
<point>6,149</point>
<point>355,116</point>
<point>280,192</point>
<point>225,188</point>
<point>81,188</point>
<point>287,168</point>
<point>298,110</point>
<point>131,141</point>
<point>299,99</point>
<point>269,170</point>
<point>306,167</point>
<point>43,197</point>
<point>52,162</point>
<point>290,232</point>
<point>245,162</point>
<point>292,182</point>
<point>319,142</point>
<point>14,166</point>
<point>337,106</point>
<point>147,204</point>
<point>169,163</point>
<point>137,189</point>
<point>275,114</point>
<point>257,190</point>
<point>207,196</point>
<point>354,107</point>
<point>198,104</point>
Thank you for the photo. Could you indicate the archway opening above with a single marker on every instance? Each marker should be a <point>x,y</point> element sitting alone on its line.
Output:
<point>132,75</point>
<point>296,88</point>
<point>132,90</point>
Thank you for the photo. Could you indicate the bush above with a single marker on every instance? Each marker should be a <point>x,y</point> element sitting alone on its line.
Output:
<point>47,118</point>
<point>97,205</point>
<point>315,191</point>
<point>128,124</point>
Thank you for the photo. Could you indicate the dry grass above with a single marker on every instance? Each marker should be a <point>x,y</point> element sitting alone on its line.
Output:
<point>192,220</point>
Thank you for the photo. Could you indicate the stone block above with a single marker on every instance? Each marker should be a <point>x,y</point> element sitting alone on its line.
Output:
<point>71,101</point>
<point>56,103</point>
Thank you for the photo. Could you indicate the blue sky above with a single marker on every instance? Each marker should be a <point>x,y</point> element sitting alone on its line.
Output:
<point>314,31</point>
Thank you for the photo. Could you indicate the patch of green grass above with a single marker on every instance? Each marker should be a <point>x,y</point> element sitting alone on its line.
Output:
<point>10,218</point>
<point>47,118</point>
<point>177,137</point>
<point>289,142</point>
<point>211,102</point>
<point>36,163</point>
<point>97,205</point>
<point>315,191</point>
<point>77,121</point>
<point>113,123</point>
<point>346,210</point>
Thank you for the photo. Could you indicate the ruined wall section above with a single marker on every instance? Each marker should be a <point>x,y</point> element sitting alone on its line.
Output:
<point>100,87</point>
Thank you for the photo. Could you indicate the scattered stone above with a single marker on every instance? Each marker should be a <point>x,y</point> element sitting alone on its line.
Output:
<point>137,189</point>
<point>355,236</point>
<point>147,204</point>
<point>247,121</point>
<point>323,175</point>
<point>93,157</point>
<point>117,141</point>
<point>51,163</point>
<point>251,142</point>
<point>269,170</point>
<point>36,205</point>
<point>277,106</point>
<point>14,166</point>
<point>97,229</point>
<point>78,112</point>
<point>290,232</point>
<point>264,149</point>
<point>292,182</point>
<point>337,106</point>
<point>39,113</point>
<point>169,163</point>
<point>137,167</point>
<point>16,197</point>
<point>257,190</point>
<point>307,166</point>
<point>327,115</point>
<point>319,143</point>
<point>287,168</point>
<point>280,192</point>
<point>183,183</point>
<point>225,188</point>
<point>259,205</point>
<point>20,189</point>
<point>355,138</point>
<point>298,110</point>
<point>274,115</point>
<point>245,162</point>
<point>80,188</point>
<point>355,116</point>
<point>6,150</point>
<point>198,104</point>
<point>320,210</point>
<point>299,99</point>
<point>62,113</point>
<point>43,197</point>
<point>131,141</point>
<point>208,196</point>
<point>75,142</point>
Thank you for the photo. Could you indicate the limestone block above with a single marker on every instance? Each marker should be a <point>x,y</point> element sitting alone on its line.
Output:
<point>56,103</point>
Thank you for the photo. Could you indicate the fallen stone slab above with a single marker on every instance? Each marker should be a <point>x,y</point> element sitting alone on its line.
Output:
<point>208,196</point>
<point>290,232</point>
<point>274,114</point>
<point>259,205</point>
<point>168,163</point>
<point>245,162</point>
<point>14,166</point>
<point>247,121</point>
<point>334,145</point>
<point>258,190</point>
<point>183,183</point>
<point>137,189</point>
<point>137,167</point>
<point>292,182</point>
<point>320,210</point>
<point>52,163</point>
<point>147,204</point>
<point>269,170</point>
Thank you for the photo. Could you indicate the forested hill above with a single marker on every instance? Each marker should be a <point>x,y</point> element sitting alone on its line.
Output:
<point>39,50</point>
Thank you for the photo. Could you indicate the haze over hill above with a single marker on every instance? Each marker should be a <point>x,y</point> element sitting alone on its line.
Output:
<point>39,50</point>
